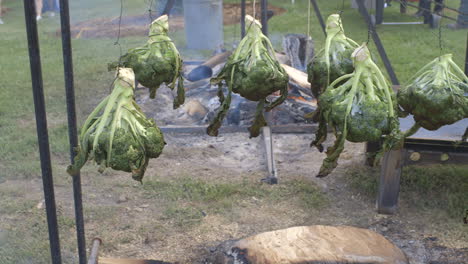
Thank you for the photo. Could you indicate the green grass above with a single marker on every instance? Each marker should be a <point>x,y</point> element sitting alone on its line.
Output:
<point>441,187</point>
<point>190,199</point>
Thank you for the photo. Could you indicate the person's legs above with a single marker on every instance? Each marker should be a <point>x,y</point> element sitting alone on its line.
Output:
<point>438,6</point>
<point>463,17</point>
<point>462,20</point>
<point>1,21</point>
<point>423,4</point>
<point>38,9</point>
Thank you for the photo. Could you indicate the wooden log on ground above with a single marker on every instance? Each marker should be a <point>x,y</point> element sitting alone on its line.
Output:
<point>310,244</point>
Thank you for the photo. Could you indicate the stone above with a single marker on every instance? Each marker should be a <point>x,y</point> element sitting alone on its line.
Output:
<point>122,198</point>
<point>195,109</point>
<point>310,244</point>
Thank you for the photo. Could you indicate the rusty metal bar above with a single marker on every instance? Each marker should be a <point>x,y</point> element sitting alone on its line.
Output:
<point>94,254</point>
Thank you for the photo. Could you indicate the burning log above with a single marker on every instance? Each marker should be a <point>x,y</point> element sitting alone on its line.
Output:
<point>297,76</point>
<point>205,70</point>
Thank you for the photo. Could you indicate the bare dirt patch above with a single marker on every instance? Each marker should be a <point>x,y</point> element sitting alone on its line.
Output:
<point>138,25</point>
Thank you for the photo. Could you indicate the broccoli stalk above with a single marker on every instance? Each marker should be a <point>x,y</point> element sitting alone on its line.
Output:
<point>253,72</point>
<point>437,94</point>
<point>157,62</point>
<point>117,134</point>
<point>360,107</point>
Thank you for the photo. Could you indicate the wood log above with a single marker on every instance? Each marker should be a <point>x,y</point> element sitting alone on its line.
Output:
<point>310,244</point>
<point>297,76</point>
<point>129,261</point>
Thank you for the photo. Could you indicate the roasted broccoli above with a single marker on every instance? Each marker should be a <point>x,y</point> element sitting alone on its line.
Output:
<point>117,134</point>
<point>334,60</point>
<point>359,107</point>
<point>157,62</point>
<point>436,95</point>
<point>253,72</point>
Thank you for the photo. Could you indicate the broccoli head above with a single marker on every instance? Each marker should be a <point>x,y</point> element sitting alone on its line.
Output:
<point>437,95</point>
<point>253,72</point>
<point>334,60</point>
<point>157,62</point>
<point>360,107</point>
<point>117,134</point>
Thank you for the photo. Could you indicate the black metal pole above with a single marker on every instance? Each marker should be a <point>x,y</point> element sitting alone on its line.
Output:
<point>242,22</point>
<point>72,129</point>
<point>379,9</point>
<point>319,16</point>
<point>41,126</point>
<point>264,7</point>
<point>466,57</point>
<point>378,43</point>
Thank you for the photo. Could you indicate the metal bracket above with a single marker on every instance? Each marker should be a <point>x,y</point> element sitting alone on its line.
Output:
<point>271,165</point>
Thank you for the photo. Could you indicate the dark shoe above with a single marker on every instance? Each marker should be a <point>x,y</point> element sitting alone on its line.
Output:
<point>418,14</point>
<point>457,26</point>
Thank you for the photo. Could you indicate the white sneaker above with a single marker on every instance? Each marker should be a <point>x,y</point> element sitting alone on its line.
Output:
<point>38,18</point>
<point>1,21</point>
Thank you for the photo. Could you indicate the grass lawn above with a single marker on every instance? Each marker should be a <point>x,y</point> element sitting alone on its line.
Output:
<point>409,47</point>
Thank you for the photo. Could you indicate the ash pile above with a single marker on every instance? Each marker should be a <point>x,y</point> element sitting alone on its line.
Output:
<point>202,103</point>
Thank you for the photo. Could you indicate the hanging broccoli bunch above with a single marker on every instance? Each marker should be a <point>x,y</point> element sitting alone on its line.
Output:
<point>334,60</point>
<point>253,72</point>
<point>157,62</point>
<point>437,95</point>
<point>360,107</point>
<point>117,134</point>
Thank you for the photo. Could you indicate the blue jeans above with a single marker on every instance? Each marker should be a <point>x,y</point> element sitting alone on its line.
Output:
<point>463,19</point>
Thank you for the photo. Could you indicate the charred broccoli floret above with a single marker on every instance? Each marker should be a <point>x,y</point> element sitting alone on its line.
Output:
<point>117,134</point>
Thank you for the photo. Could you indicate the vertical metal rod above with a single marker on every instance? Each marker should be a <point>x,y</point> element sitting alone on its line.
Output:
<point>264,15</point>
<point>72,129</point>
<point>242,22</point>
<point>379,10</point>
<point>378,42</point>
<point>41,126</point>
<point>319,16</point>
<point>466,57</point>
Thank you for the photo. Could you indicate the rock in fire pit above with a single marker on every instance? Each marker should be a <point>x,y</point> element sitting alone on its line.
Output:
<point>310,244</point>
